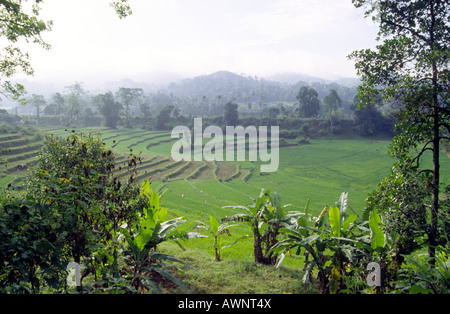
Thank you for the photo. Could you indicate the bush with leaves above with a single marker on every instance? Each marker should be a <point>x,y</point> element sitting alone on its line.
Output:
<point>76,176</point>
<point>32,244</point>
<point>153,228</point>
<point>402,199</point>
<point>76,209</point>
<point>420,277</point>
<point>76,202</point>
<point>340,246</point>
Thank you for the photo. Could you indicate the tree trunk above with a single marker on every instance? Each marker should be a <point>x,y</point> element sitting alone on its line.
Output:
<point>436,174</point>
<point>257,248</point>
<point>436,139</point>
<point>216,249</point>
<point>38,114</point>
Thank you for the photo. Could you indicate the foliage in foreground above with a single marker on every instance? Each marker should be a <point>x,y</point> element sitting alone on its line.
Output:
<point>344,246</point>
<point>153,228</point>
<point>337,246</point>
<point>77,210</point>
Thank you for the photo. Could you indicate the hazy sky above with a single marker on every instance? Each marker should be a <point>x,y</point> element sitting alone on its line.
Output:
<point>194,37</point>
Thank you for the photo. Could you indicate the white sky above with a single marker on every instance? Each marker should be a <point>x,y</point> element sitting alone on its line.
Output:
<point>195,37</point>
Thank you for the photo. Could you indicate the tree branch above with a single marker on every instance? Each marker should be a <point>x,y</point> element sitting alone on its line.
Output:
<point>424,149</point>
<point>403,28</point>
<point>425,170</point>
<point>446,126</point>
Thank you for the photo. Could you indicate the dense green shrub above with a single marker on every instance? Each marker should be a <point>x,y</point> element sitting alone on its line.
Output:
<point>420,277</point>
<point>32,246</point>
<point>76,209</point>
<point>76,176</point>
<point>71,211</point>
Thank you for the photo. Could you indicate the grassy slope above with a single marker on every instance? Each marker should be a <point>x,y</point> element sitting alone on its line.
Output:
<point>232,275</point>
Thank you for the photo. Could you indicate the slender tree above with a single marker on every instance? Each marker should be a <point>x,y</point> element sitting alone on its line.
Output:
<point>39,102</point>
<point>109,108</point>
<point>129,97</point>
<point>309,105</point>
<point>411,68</point>
<point>332,102</point>
<point>231,114</point>
<point>75,102</point>
<point>59,102</point>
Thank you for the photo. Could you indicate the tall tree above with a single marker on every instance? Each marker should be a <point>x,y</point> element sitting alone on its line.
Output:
<point>308,100</point>
<point>411,67</point>
<point>230,114</point>
<point>39,102</point>
<point>109,108</point>
<point>332,102</point>
<point>59,102</point>
<point>129,97</point>
<point>163,117</point>
<point>76,101</point>
<point>144,108</point>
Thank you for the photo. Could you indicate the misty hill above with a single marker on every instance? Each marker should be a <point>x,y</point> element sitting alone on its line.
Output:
<point>293,78</point>
<point>224,84</point>
<point>229,86</point>
<point>214,89</point>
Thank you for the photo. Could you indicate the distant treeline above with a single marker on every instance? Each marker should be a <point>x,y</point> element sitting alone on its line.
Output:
<point>301,110</point>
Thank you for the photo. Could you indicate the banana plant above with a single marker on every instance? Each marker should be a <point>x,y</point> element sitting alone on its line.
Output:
<point>217,230</point>
<point>334,243</point>
<point>265,218</point>
<point>154,228</point>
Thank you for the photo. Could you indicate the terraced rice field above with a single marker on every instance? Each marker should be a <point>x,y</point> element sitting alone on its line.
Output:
<point>17,153</point>
<point>320,171</point>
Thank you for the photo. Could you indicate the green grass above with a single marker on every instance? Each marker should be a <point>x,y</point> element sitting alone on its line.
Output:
<point>231,276</point>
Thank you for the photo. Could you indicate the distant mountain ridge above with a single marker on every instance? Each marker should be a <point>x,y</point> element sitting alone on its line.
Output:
<point>294,78</point>
<point>226,85</point>
<point>241,88</point>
